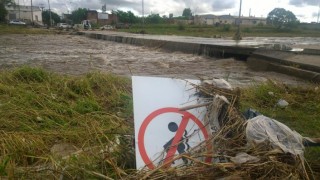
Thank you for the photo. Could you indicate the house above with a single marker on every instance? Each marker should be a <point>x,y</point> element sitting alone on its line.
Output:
<point>210,19</point>
<point>252,21</point>
<point>225,19</point>
<point>204,19</point>
<point>101,18</point>
<point>24,13</point>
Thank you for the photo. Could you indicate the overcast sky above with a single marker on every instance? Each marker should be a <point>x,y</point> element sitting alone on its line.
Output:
<point>305,10</point>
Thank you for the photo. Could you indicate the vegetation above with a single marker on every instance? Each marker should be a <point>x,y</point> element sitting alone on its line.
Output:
<point>225,31</point>
<point>187,13</point>
<point>126,17</point>
<point>3,11</point>
<point>69,127</point>
<point>91,118</point>
<point>17,29</point>
<point>280,17</point>
<point>46,17</point>
<point>302,114</point>
<point>78,15</point>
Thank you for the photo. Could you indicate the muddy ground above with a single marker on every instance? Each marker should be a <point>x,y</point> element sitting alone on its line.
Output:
<point>72,54</point>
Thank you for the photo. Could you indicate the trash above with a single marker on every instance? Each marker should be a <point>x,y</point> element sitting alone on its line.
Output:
<point>63,150</point>
<point>282,103</point>
<point>311,141</point>
<point>244,158</point>
<point>262,129</point>
<point>251,113</point>
<point>271,93</point>
<point>218,110</point>
<point>39,119</point>
<point>219,83</point>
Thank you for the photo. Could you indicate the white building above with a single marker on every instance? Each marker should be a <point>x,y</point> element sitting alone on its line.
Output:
<point>210,19</point>
<point>24,13</point>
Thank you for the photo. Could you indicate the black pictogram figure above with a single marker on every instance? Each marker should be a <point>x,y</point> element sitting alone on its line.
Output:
<point>183,145</point>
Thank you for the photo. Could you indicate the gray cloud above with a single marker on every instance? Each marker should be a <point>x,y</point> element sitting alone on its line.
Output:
<point>171,6</point>
<point>300,3</point>
<point>62,6</point>
<point>315,14</point>
<point>221,5</point>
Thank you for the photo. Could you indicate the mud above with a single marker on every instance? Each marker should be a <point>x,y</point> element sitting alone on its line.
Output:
<point>75,55</point>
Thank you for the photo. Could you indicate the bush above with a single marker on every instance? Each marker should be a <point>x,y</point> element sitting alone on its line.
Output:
<point>181,27</point>
<point>226,28</point>
<point>247,30</point>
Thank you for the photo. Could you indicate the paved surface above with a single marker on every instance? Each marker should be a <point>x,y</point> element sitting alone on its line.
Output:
<point>300,60</point>
<point>296,42</point>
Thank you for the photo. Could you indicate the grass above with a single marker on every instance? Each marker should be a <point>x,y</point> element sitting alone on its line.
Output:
<point>16,29</point>
<point>39,110</point>
<point>302,114</point>
<point>92,115</point>
<point>225,31</point>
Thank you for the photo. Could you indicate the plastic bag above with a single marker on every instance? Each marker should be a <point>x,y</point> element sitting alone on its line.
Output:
<point>262,128</point>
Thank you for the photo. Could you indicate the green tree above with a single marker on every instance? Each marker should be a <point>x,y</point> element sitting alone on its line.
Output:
<point>46,17</point>
<point>3,11</point>
<point>77,16</point>
<point>280,17</point>
<point>187,13</point>
<point>154,19</point>
<point>126,17</point>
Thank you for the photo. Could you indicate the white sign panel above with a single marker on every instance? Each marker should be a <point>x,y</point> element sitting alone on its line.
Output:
<point>103,16</point>
<point>161,129</point>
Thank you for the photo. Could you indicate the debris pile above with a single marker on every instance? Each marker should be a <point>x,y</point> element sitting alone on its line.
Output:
<point>238,148</point>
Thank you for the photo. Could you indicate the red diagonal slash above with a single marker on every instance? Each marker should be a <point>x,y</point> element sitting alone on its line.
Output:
<point>176,140</point>
<point>186,118</point>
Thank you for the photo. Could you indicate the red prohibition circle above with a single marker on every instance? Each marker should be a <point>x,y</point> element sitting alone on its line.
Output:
<point>153,115</point>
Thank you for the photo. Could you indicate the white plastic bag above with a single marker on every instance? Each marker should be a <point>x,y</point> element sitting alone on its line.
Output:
<point>262,128</point>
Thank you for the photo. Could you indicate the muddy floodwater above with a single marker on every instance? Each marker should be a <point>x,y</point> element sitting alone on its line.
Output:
<point>75,55</point>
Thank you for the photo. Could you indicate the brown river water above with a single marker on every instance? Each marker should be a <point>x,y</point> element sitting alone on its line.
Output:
<point>76,55</point>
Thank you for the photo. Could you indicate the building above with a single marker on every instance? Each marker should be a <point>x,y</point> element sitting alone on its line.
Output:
<point>101,18</point>
<point>24,13</point>
<point>210,19</point>
<point>252,21</point>
<point>204,19</point>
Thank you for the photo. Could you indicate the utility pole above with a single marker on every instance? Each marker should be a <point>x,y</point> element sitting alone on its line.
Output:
<point>142,14</point>
<point>31,13</point>
<point>19,9</point>
<point>318,13</point>
<point>50,24</point>
<point>237,36</point>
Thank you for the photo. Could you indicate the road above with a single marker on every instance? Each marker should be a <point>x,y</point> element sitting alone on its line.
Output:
<point>296,42</point>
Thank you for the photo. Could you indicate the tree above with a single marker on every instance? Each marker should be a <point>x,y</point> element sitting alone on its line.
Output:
<point>77,16</point>
<point>154,19</point>
<point>280,17</point>
<point>3,11</point>
<point>187,13</point>
<point>126,17</point>
<point>46,17</point>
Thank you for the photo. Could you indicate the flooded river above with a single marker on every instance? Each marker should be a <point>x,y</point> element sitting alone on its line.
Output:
<point>71,54</point>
